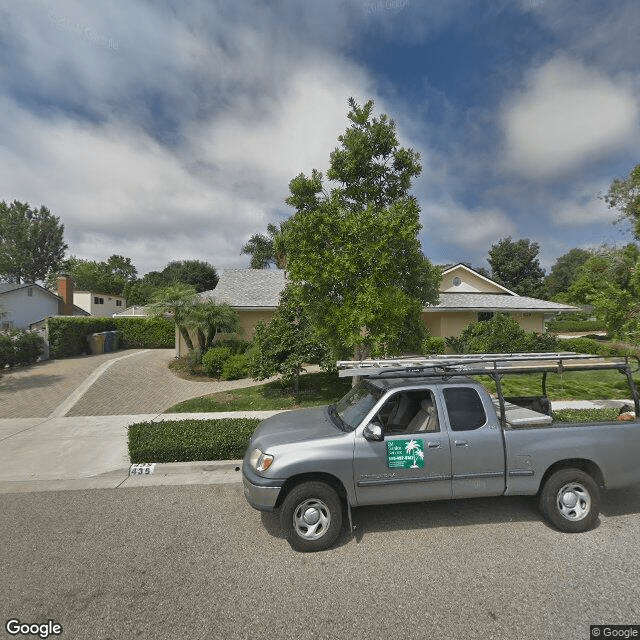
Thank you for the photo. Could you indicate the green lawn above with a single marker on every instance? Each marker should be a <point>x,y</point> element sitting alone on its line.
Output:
<point>315,389</point>
<point>574,385</point>
<point>323,388</point>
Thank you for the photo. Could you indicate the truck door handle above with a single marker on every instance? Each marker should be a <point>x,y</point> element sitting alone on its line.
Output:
<point>461,443</point>
<point>433,445</point>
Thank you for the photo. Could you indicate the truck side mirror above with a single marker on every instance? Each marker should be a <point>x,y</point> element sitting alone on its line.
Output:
<point>373,431</point>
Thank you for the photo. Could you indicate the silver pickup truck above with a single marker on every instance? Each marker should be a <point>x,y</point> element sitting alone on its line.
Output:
<point>431,432</point>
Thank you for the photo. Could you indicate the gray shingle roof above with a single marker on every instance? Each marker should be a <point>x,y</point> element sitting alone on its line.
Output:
<point>246,288</point>
<point>495,302</point>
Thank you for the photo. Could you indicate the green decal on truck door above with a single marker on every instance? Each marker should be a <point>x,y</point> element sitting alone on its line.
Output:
<point>405,454</point>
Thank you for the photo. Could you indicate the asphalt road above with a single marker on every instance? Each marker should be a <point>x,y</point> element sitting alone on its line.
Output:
<point>196,562</point>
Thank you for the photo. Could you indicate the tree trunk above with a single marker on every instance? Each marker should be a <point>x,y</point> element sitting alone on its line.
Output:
<point>360,352</point>
<point>187,338</point>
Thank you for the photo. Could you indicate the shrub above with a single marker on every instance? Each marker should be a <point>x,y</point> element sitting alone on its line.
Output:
<point>235,367</point>
<point>7,352</point>
<point>27,346</point>
<point>580,345</point>
<point>237,345</point>
<point>214,359</point>
<point>575,325</point>
<point>187,440</point>
<point>432,345</point>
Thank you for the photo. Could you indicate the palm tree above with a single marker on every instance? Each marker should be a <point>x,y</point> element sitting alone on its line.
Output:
<point>266,250</point>
<point>209,319</point>
<point>177,301</point>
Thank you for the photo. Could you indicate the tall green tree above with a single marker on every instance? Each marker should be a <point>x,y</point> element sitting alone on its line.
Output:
<point>199,274</point>
<point>265,249</point>
<point>565,271</point>
<point>31,242</point>
<point>287,343</point>
<point>624,195</point>
<point>610,282</point>
<point>353,253</point>
<point>515,265</point>
<point>111,276</point>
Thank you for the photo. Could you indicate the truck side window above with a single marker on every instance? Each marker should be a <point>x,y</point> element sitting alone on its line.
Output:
<point>409,412</point>
<point>465,408</point>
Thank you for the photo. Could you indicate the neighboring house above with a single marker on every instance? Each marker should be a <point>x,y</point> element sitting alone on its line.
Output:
<point>23,305</point>
<point>100,305</point>
<point>466,296</point>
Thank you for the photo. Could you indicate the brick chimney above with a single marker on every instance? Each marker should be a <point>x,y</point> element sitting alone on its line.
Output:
<point>65,291</point>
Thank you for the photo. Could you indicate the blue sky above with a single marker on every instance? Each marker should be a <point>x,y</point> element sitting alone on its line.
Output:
<point>170,130</point>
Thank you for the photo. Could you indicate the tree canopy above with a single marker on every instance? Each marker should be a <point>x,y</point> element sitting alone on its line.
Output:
<point>110,276</point>
<point>624,195</point>
<point>565,270</point>
<point>353,252</point>
<point>515,265</point>
<point>31,242</point>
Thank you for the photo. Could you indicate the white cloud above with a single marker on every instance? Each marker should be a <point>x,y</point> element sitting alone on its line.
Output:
<point>469,229</point>
<point>567,115</point>
<point>583,208</point>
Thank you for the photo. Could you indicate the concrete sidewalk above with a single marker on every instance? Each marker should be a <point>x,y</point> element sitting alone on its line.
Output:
<point>91,452</point>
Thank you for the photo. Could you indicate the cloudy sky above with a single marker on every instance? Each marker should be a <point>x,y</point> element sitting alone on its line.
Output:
<point>171,129</point>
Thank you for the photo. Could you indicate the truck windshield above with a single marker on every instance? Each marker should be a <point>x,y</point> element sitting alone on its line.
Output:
<point>352,409</point>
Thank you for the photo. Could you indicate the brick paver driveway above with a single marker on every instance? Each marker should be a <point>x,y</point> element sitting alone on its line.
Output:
<point>134,382</point>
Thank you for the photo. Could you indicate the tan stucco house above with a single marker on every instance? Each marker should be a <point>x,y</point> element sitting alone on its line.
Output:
<point>466,296</point>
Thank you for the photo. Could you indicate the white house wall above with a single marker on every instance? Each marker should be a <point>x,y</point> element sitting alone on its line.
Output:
<point>21,309</point>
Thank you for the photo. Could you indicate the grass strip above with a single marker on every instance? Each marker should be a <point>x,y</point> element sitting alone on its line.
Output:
<point>606,414</point>
<point>190,440</point>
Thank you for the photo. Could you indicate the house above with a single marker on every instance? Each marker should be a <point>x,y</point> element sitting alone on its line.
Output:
<point>466,296</point>
<point>99,305</point>
<point>23,305</point>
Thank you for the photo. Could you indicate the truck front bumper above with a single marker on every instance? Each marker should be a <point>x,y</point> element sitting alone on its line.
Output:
<point>261,493</point>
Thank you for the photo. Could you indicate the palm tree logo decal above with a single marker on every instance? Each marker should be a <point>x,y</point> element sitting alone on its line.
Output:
<point>413,449</point>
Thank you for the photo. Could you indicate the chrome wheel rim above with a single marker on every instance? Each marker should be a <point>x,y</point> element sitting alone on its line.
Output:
<point>311,519</point>
<point>574,501</point>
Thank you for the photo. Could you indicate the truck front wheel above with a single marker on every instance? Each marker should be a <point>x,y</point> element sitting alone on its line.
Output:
<point>311,516</point>
<point>570,500</point>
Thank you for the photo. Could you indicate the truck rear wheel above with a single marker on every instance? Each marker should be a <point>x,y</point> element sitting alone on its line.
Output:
<point>570,500</point>
<point>311,516</point>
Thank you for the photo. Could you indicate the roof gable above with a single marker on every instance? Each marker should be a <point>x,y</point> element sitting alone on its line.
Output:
<point>463,279</point>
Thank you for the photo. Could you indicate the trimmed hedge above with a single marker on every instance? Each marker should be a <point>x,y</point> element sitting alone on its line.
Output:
<point>596,347</point>
<point>189,440</point>
<point>235,367</point>
<point>68,335</point>
<point>575,325</point>
<point>433,345</point>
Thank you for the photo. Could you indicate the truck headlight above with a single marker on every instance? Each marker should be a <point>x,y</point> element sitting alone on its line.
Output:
<point>260,461</point>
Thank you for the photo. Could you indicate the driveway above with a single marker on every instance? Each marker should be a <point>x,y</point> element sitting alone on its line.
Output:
<point>136,381</point>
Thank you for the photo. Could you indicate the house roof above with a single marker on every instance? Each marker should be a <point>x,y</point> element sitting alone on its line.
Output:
<point>249,288</point>
<point>495,302</point>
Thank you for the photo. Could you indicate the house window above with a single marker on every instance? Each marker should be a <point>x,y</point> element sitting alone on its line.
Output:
<point>118,303</point>
<point>484,316</point>
<point>457,282</point>
<point>97,300</point>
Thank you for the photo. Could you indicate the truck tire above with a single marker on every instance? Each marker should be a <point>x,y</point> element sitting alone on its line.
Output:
<point>570,500</point>
<point>311,516</point>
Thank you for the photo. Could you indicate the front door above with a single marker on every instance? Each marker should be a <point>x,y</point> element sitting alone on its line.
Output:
<point>413,461</point>
<point>477,447</point>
